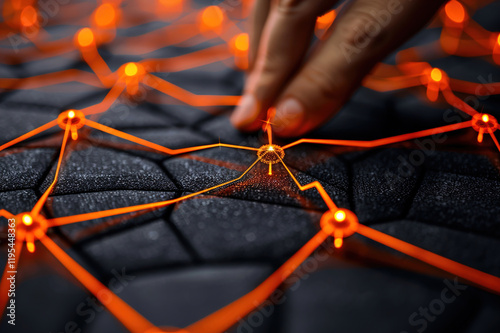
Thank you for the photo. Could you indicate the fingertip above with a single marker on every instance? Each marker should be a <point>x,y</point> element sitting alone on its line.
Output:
<point>289,118</point>
<point>246,114</point>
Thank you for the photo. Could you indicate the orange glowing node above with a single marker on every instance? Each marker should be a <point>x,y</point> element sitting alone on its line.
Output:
<point>133,72</point>
<point>498,40</point>
<point>455,11</point>
<point>271,154</point>
<point>29,16</point>
<point>30,229</point>
<point>105,15</point>
<point>212,17</point>
<point>27,219</point>
<point>436,74</point>
<point>74,117</point>
<point>340,216</point>
<point>242,42</point>
<point>131,69</point>
<point>85,37</point>
<point>484,122</point>
<point>341,223</point>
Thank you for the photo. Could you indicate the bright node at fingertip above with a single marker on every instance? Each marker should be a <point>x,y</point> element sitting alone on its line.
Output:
<point>485,118</point>
<point>271,154</point>
<point>242,42</point>
<point>131,69</point>
<point>455,11</point>
<point>498,39</point>
<point>71,114</point>
<point>27,219</point>
<point>212,17</point>
<point>436,74</point>
<point>85,37</point>
<point>340,216</point>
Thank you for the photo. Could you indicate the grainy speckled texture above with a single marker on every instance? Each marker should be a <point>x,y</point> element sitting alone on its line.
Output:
<point>191,258</point>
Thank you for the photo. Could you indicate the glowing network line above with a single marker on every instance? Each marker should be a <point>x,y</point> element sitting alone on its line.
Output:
<point>209,23</point>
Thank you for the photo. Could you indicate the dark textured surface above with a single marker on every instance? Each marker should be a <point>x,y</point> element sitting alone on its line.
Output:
<point>196,256</point>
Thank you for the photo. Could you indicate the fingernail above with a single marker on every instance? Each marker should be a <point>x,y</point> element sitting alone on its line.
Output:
<point>289,116</point>
<point>246,112</point>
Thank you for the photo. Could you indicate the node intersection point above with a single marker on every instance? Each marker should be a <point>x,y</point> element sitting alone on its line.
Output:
<point>271,154</point>
<point>75,117</point>
<point>436,75</point>
<point>30,228</point>
<point>84,37</point>
<point>340,216</point>
<point>340,224</point>
<point>212,18</point>
<point>482,122</point>
<point>105,15</point>
<point>133,70</point>
<point>132,74</point>
<point>27,219</point>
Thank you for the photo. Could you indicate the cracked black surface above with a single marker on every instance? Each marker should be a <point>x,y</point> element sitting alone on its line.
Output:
<point>191,258</point>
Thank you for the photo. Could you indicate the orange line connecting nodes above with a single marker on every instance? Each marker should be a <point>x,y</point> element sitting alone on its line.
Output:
<point>339,224</point>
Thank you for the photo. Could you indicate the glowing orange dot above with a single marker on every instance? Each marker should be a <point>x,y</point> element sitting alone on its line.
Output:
<point>85,37</point>
<point>131,69</point>
<point>485,118</point>
<point>105,15</point>
<point>436,74</point>
<point>498,39</point>
<point>327,19</point>
<point>242,42</point>
<point>340,216</point>
<point>30,246</point>
<point>212,17</point>
<point>29,16</point>
<point>27,219</point>
<point>338,242</point>
<point>455,11</point>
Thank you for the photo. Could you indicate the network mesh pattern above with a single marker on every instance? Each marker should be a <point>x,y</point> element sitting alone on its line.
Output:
<point>129,203</point>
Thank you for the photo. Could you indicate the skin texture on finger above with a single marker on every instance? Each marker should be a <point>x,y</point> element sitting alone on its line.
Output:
<point>367,32</point>
<point>284,42</point>
<point>258,18</point>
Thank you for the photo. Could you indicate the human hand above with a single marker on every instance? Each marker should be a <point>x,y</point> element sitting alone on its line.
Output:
<point>309,89</point>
